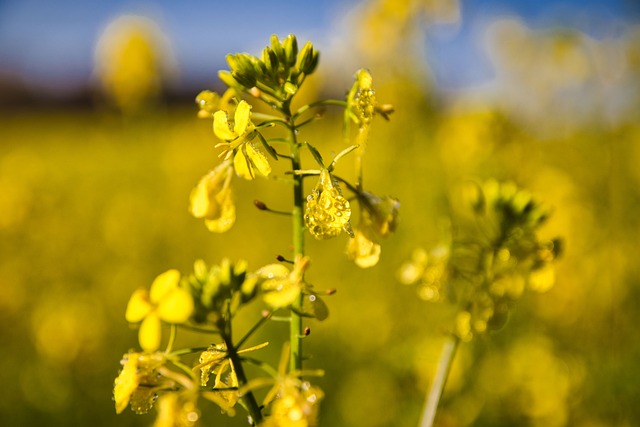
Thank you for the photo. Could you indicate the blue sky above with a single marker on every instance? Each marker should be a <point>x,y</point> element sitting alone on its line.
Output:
<point>50,44</point>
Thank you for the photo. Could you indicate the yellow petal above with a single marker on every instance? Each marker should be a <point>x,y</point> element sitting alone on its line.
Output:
<point>176,306</point>
<point>149,333</point>
<point>363,251</point>
<point>272,271</point>
<point>254,162</point>
<point>226,219</point>
<point>205,198</point>
<point>221,126</point>
<point>225,213</point>
<point>258,161</point>
<point>126,382</point>
<point>364,79</point>
<point>138,306</point>
<point>284,292</point>
<point>199,199</point>
<point>241,118</point>
<point>163,284</point>
<point>241,166</point>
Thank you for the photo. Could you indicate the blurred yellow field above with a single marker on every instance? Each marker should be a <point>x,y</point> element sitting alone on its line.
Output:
<point>94,204</point>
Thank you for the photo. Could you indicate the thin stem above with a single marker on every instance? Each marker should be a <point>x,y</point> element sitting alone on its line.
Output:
<point>253,329</point>
<point>172,338</point>
<point>295,327</point>
<point>248,399</point>
<point>439,381</point>
<point>319,103</point>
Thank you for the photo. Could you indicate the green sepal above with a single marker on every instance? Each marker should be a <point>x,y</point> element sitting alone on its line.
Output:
<point>315,153</point>
<point>267,146</point>
<point>341,155</point>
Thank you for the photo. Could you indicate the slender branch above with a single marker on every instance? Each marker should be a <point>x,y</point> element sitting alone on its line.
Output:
<point>439,381</point>
<point>254,328</point>
<point>307,107</point>
<point>295,327</point>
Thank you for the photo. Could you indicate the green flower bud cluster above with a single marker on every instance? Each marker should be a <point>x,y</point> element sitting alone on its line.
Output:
<point>277,74</point>
<point>219,290</point>
<point>493,257</point>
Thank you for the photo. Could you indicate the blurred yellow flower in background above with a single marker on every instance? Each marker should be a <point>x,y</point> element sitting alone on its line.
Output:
<point>132,62</point>
<point>212,199</point>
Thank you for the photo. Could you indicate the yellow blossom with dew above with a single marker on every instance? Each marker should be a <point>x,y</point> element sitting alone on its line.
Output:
<point>248,160</point>
<point>328,212</point>
<point>137,381</point>
<point>215,360</point>
<point>165,301</point>
<point>212,199</point>
<point>361,100</point>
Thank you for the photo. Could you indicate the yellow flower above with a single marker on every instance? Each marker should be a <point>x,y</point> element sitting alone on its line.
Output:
<point>294,402</point>
<point>248,160</point>
<point>166,301</point>
<point>328,212</point>
<point>362,250</point>
<point>178,410</point>
<point>378,218</point>
<point>212,199</point>
<point>282,288</point>
<point>137,381</point>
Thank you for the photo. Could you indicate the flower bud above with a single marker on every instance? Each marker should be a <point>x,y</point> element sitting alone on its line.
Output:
<point>277,48</point>
<point>290,47</point>
<point>308,59</point>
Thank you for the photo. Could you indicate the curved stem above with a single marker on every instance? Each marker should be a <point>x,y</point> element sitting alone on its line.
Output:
<point>439,381</point>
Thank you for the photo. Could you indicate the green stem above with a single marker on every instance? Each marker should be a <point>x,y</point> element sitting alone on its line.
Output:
<point>439,381</point>
<point>248,400</point>
<point>295,327</point>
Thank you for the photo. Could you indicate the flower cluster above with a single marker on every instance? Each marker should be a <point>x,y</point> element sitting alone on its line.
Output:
<point>209,299</point>
<point>277,75</point>
<point>493,257</point>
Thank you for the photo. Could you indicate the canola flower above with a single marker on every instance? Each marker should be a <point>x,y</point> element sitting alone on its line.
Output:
<point>165,301</point>
<point>247,160</point>
<point>328,212</point>
<point>378,218</point>
<point>212,199</point>
<point>138,381</point>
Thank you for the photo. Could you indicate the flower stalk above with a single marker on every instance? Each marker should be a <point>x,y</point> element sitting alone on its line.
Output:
<point>295,326</point>
<point>439,380</point>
